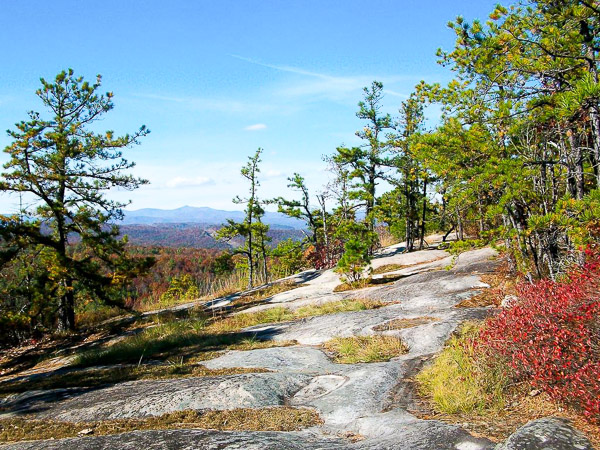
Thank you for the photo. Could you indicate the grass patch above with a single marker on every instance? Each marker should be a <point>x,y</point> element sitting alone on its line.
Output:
<point>199,337</point>
<point>501,284</point>
<point>239,321</point>
<point>389,268</point>
<point>264,419</point>
<point>179,338</point>
<point>456,383</point>
<point>281,314</point>
<point>356,349</point>
<point>400,324</point>
<point>351,286</point>
<point>257,296</point>
<point>90,318</point>
<point>478,397</point>
<point>498,425</point>
<point>360,304</point>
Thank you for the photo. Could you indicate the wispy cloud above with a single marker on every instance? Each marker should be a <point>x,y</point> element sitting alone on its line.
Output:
<point>394,93</point>
<point>316,85</point>
<point>213,104</point>
<point>283,68</point>
<point>256,127</point>
<point>180,182</point>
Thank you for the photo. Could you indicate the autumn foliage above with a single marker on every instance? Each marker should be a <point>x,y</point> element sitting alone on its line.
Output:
<point>550,337</point>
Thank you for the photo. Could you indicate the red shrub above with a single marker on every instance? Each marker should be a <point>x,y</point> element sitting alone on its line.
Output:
<point>550,337</point>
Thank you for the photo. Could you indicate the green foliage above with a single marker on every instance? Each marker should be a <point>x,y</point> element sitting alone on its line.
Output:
<point>181,288</point>
<point>458,247</point>
<point>517,154</point>
<point>364,164</point>
<point>63,168</point>
<point>288,258</point>
<point>223,264</point>
<point>252,230</point>
<point>358,240</point>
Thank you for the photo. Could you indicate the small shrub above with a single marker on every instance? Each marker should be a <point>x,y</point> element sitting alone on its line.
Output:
<point>14,327</point>
<point>354,261</point>
<point>458,247</point>
<point>551,337</point>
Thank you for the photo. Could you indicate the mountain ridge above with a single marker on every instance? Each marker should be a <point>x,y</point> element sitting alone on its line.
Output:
<point>203,215</point>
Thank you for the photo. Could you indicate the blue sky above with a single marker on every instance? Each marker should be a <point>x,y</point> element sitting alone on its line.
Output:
<point>214,80</point>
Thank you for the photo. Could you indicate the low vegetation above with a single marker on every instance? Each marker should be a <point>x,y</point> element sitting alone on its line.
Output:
<point>281,314</point>
<point>388,268</point>
<point>200,337</point>
<point>399,324</point>
<point>502,284</point>
<point>365,349</point>
<point>176,338</point>
<point>263,419</point>
<point>457,383</point>
<point>539,356</point>
<point>550,338</point>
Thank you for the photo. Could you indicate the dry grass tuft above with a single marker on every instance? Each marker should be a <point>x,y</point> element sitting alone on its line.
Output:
<point>365,349</point>
<point>389,268</point>
<point>501,284</point>
<point>400,324</point>
<point>351,286</point>
<point>264,419</point>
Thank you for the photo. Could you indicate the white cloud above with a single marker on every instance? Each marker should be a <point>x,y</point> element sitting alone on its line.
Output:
<point>256,127</point>
<point>179,182</point>
<point>272,173</point>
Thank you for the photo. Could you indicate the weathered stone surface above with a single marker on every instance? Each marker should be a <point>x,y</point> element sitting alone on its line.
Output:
<point>400,430</point>
<point>156,397</point>
<point>351,398</point>
<point>546,434</point>
<point>192,440</point>
<point>296,359</point>
<point>364,392</point>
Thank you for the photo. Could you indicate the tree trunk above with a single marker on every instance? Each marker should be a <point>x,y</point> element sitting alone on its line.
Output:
<point>408,231</point>
<point>66,312</point>
<point>595,117</point>
<point>424,212</point>
<point>459,223</point>
<point>576,160</point>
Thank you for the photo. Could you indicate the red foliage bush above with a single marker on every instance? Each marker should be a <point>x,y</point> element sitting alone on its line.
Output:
<point>551,337</point>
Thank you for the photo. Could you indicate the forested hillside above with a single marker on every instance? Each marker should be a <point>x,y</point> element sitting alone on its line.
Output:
<point>193,235</point>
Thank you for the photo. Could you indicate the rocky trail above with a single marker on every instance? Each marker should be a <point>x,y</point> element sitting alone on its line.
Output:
<point>362,405</point>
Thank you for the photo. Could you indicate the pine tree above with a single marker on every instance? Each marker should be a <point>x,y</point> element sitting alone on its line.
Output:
<point>63,169</point>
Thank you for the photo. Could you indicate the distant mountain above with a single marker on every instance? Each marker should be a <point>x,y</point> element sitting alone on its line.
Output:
<point>193,235</point>
<point>203,215</point>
